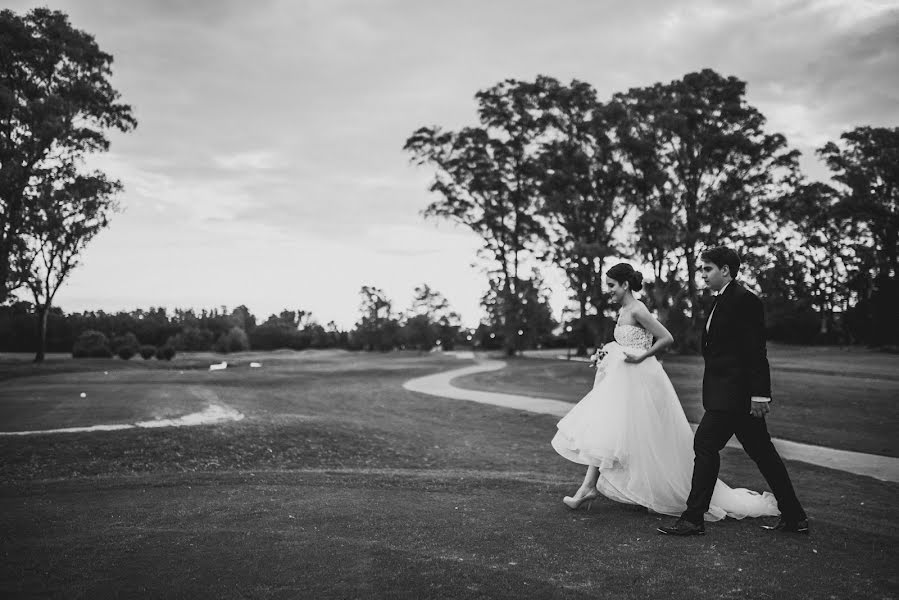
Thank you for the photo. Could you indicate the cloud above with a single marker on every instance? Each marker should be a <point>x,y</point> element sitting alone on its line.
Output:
<point>259,160</point>
<point>814,68</point>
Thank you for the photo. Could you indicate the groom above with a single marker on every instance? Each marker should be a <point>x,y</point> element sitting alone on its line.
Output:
<point>736,392</point>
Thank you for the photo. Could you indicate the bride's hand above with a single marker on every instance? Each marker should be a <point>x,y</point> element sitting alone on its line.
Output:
<point>634,359</point>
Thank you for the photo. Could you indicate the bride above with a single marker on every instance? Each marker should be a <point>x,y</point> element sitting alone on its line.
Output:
<point>630,429</point>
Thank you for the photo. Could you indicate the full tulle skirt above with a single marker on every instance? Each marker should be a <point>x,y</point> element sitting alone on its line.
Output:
<point>632,427</point>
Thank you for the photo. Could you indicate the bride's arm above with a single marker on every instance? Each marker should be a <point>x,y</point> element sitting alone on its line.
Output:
<point>663,337</point>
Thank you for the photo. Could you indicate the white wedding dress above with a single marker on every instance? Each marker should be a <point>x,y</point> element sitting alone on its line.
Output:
<point>631,425</point>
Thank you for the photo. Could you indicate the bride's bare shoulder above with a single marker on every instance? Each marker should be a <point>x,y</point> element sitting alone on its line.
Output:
<point>640,308</point>
<point>642,315</point>
<point>632,314</point>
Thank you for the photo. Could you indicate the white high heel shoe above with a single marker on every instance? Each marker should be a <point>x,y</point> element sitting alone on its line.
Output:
<point>574,502</point>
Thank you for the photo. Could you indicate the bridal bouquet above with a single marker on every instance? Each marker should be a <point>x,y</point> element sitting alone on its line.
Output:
<point>603,357</point>
<point>598,357</point>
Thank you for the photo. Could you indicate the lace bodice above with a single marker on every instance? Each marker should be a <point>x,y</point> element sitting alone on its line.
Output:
<point>633,336</point>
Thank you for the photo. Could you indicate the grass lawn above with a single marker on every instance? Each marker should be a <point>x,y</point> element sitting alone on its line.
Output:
<point>339,484</point>
<point>822,396</point>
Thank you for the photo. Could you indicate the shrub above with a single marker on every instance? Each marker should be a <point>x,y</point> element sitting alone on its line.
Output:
<point>147,351</point>
<point>165,352</point>
<point>126,346</point>
<point>91,344</point>
<point>235,340</point>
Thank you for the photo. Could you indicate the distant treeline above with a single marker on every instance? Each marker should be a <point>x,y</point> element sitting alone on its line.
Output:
<point>427,324</point>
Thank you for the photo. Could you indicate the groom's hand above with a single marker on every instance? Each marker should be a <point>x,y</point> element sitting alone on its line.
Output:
<point>758,409</point>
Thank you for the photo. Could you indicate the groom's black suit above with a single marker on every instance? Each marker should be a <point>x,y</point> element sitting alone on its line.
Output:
<point>736,369</point>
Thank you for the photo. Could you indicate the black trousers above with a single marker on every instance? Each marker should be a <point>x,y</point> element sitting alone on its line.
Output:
<point>715,429</point>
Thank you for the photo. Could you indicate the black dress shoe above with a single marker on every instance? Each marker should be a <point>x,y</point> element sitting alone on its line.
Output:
<point>683,527</point>
<point>800,526</point>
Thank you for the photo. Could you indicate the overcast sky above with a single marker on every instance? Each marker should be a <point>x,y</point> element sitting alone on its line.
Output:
<point>267,167</point>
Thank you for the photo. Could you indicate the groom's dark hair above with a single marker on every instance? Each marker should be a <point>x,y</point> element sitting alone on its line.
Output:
<point>721,256</point>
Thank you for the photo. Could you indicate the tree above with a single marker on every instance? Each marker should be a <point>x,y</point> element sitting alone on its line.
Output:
<point>533,318</point>
<point>420,332</point>
<point>824,250</point>
<point>193,339</point>
<point>334,336</point>
<point>289,318</point>
<point>378,328</point>
<point>708,171</point>
<point>91,344</point>
<point>235,340</point>
<point>73,208</point>
<point>428,301</point>
<point>56,104</point>
<point>790,314</point>
<point>486,177</point>
<point>585,188</point>
<point>430,320</point>
<point>294,329</point>
<point>243,318</point>
<point>867,167</point>
<point>126,346</point>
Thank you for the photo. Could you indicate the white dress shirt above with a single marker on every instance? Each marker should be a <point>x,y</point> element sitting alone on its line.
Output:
<point>708,323</point>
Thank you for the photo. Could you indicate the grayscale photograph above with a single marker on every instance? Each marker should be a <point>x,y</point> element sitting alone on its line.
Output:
<point>404,299</point>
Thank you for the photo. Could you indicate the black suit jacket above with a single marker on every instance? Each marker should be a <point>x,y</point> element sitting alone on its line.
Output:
<point>736,360</point>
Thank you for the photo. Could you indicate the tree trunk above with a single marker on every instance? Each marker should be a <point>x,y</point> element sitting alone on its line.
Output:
<point>691,285</point>
<point>892,248</point>
<point>515,325</point>
<point>825,305</point>
<point>692,233</point>
<point>823,329</point>
<point>4,271</point>
<point>661,299</point>
<point>6,256</point>
<point>510,326</point>
<point>41,312</point>
<point>582,326</point>
<point>691,335</point>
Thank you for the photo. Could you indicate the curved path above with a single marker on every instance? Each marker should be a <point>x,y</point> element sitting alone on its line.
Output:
<point>884,468</point>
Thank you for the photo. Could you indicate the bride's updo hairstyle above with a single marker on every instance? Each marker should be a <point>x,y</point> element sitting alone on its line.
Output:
<point>624,272</point>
